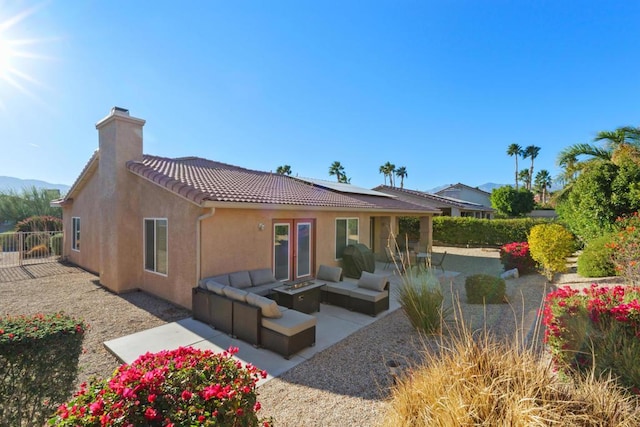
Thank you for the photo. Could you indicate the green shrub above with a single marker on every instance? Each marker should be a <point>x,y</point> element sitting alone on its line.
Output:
<point>182,387</point>
<point>38,366</point>
<point>626,248</point>
<point>595,331</point>
<point>56,244</point>
<point>596,258</point>
<point>550,245</point>
<point>421,299</point>
<point>485,289</point>
<point>449,230</point>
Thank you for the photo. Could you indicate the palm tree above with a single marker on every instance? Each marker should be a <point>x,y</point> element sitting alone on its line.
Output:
<point>543,181</point>
<point>383,170</point>
<point>402,173</point>
<point>338,170</point>
<point>391,168</point>
<point>524,176</point>
<point>618,140</point>
<point>284,170</point>
<point>531,151</point>
<point>515,150</point>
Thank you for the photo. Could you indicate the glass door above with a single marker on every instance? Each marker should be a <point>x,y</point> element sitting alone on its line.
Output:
<point>281,251</point>
<point>293,248</point>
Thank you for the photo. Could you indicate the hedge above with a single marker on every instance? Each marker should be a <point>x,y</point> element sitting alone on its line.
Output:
<point>461,231</point>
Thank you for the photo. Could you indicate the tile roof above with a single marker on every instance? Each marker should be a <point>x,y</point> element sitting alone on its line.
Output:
<point>461,185</point>
<point>200,180</point>
<point>432,198</point>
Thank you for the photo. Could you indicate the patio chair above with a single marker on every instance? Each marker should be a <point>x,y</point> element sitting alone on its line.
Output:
<point>438,262</point>
<point>393,258</point>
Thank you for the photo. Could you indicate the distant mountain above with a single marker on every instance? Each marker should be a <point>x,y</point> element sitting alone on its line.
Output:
<point>8,183</point>
<point>490,186</point>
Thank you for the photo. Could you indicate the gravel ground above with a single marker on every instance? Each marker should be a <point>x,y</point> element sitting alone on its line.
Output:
<point>347,383</point>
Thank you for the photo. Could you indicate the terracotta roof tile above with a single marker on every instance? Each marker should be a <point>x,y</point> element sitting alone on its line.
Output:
<point>201,180</point>
<point>431,198</point>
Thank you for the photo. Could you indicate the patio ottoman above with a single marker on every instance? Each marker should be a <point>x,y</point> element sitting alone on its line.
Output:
<point>288,334</point>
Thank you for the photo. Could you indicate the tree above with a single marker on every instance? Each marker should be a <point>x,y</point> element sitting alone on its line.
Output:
<point>524,176</point>
<point>542,182</point>
<point>284,170</point>
<point>15,207</point>
<point>511,202</point>
<point>338,170</point>
<point>388,169</point>
<point>530,152</point>
<point>515,150</point>
<point>402,173</point>
<point>614,141</point>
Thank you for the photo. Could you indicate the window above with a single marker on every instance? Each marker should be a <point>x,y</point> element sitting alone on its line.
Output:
<point>75,237</point>
<point>346,234</point>
<point>155,245</point>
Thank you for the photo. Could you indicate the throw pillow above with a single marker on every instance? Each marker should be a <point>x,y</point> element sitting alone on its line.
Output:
<point>268,306</point>
<point>331,274</point>
<point>235,293</point>
<point>375,282</point>
<point>215,287</point>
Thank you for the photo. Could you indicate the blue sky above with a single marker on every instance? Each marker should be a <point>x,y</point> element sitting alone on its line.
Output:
<point>440,87</point>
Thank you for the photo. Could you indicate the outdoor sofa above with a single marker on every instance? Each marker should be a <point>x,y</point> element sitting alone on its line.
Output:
<point>245,312</point>
<point>369,295</point>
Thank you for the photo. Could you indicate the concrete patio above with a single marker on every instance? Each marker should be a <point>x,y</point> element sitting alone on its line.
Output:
<point>334,324</point>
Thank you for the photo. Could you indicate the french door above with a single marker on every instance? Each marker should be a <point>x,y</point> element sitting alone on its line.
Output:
<point>293,248</point>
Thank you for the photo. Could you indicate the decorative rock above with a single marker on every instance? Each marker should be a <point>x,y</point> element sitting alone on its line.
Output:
<point>510,274</point>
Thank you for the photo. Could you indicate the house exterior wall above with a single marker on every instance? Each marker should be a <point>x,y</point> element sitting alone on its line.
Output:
<point>467,194</point>
<point>233,241</point>
<point>87,208</point>
<point>156,202</point>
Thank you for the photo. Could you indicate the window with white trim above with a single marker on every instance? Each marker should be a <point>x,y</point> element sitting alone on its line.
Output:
<point>75,233</point>
<point>155,245</point>
<point>346,234</point>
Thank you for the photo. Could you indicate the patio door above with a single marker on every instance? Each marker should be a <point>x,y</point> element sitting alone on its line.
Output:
<point>293,248</point>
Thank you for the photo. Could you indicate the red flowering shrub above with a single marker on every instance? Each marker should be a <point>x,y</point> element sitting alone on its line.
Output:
<point>626,249</point>
<point>183,387</point>
<point>516,255</point>
<point>597,328</point>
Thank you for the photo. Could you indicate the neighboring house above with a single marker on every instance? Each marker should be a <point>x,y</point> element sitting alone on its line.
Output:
<point>469,194</point>
<point>161,224</point>
<point>447,205</point>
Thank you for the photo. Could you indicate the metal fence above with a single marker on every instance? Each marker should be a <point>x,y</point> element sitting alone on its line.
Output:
<point>26,248</point>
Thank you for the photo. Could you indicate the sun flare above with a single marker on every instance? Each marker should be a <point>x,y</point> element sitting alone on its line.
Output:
<point>16,56</point>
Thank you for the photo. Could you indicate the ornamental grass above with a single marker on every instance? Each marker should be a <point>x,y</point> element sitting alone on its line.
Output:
<point>478,380</point>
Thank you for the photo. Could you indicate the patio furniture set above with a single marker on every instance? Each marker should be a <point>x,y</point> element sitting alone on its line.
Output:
<point>255,307</point>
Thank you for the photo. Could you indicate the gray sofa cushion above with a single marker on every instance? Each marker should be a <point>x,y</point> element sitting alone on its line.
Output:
<point>329,274</point>
<point>223,278</point>
<point>235,293</point>
<point>261,276</point>
<point>214,286</point>
<point>264,290</point>
<point>240,279</point>
<point>292,322</point>
<point>375,282</point>
<point>342,288</point>
<point>368,294</point>
<point>268,306</point>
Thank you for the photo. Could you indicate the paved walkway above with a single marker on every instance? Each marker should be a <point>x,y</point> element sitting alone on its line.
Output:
<point>334,324</point>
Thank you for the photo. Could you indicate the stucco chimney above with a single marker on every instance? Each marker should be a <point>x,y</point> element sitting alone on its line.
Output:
<point>120,140</point>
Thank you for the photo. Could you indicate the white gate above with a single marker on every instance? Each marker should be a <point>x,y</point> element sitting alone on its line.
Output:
<point>25,248</point>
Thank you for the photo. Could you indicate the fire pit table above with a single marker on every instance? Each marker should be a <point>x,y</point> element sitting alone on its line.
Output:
<point>300,296</point>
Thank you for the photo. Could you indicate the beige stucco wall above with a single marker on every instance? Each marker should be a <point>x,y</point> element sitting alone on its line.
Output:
<point>85,206</point>
<point>232,239</point>
<point>181,215</point>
